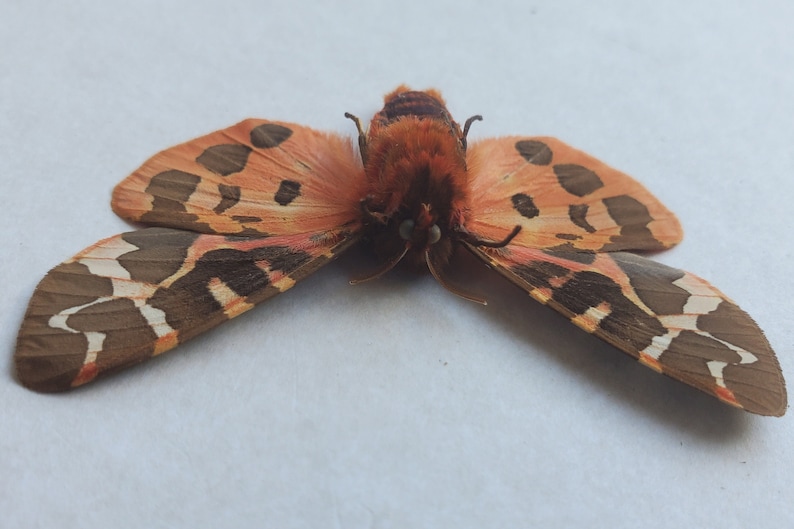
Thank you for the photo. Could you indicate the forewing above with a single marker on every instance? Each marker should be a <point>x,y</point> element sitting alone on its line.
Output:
<point>259,178</point>
<point>562,198</point>
<point>670,320</point>
<point>139,294</point>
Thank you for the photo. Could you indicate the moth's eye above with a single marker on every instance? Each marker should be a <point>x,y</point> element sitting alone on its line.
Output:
<point>407,229</point>
<point>433,234</point>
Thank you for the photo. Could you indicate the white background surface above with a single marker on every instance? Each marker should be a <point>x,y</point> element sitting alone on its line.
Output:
<point>394,404</point>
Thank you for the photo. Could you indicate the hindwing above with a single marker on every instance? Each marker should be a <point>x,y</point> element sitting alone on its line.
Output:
<point>257,178</point>
<point>562,198</point>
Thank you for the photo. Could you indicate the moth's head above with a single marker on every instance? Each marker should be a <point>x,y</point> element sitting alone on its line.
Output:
<point>420,231</point>
<point>425,211</point>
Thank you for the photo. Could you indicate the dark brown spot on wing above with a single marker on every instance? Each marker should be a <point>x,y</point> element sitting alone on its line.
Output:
<point>569,252</point>
<point>540,273</point>
<point>170,190</point>
<point>626,323</point>
<point>269,135</point>
<point>525,205</point>
<point>633,218</point>
<point>653,283</point>
<point>568,236</point>
<point>535,152</point>
<point>161,253</point>
<point>250,232</point>
<point>282,258</point>
<point>243,219</point>
<point>69,285</point>
<point>225,159</point>
<point>578,215</point>
<point>730,323</point>
<point>577,180</point>
<point>627,211</point>
<point>127,333</point>
<point>230,195</point>
<point>689,353</point>
<point>288,190</point>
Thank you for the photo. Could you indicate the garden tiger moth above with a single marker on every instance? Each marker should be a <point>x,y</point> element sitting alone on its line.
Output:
<point>242,214</point>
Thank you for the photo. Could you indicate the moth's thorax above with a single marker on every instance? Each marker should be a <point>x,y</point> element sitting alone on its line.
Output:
<point>414,162</point>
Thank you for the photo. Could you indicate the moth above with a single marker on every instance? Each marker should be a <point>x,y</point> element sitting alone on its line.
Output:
<point>242,214</point>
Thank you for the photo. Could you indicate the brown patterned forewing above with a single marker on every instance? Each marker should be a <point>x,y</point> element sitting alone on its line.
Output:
<point>669,319</point>
<point>138,294</point>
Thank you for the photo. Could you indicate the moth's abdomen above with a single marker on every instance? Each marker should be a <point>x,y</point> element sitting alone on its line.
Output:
<point>415,158</point>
